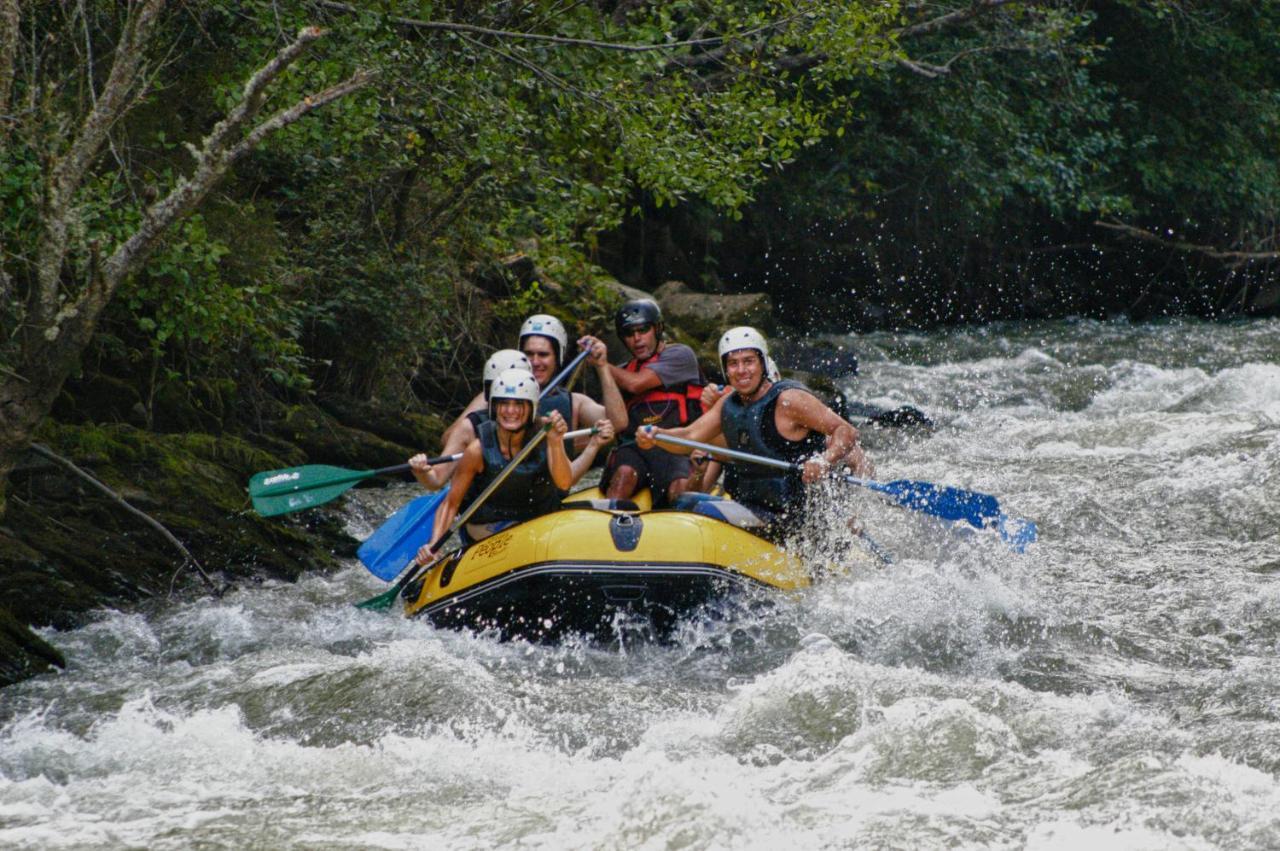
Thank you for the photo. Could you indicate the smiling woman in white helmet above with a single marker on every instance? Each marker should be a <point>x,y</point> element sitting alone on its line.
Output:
<point>773,418</point>
<point>537,484</point>
<point>466,427</point>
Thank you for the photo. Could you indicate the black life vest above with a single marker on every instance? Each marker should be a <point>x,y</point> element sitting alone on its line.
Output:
<point>478,418</point>
<point>751,428</point>
<point>528,490</point>
<point>680,405</point>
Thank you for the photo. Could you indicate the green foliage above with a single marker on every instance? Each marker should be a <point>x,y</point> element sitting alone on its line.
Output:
<point>1203,132</point>
<point>966,183</point>
<point>471,143</point>
<point>342,254</point>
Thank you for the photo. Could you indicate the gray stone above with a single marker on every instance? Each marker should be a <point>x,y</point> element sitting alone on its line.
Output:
<point>707,315</point>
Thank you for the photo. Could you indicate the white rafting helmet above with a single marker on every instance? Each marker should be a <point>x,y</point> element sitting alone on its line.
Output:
<point>499,362</point>
<point>543,325</point>
<point>513,384</point>
<point>745,337</point>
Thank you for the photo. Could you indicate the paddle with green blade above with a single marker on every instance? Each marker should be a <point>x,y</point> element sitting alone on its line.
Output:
<point>980,510</point>
<point>292,489</point>
<point>384,600</point>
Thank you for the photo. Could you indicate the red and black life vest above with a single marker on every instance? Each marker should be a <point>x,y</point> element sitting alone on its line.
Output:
<point>679,405</point>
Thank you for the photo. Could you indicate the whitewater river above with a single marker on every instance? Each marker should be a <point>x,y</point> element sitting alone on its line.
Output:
<point>1118,686</point>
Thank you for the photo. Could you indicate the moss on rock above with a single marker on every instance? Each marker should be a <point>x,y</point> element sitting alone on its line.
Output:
<point>67,549</point>
<point>327,441</point>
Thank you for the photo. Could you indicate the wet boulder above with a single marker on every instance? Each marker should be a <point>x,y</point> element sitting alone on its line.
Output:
<point>707,315</point>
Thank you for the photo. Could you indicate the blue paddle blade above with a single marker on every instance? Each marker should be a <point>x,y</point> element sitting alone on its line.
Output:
<point>976,509</point>
<point>980,510</point>
<point>397,541</point>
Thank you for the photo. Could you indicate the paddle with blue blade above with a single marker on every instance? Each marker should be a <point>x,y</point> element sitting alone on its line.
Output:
<point>292,489</point>
<point>397,540</point>
<point>979,510</point>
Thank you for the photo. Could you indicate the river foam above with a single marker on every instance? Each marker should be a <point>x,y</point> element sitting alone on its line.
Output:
<point>1113,686</point>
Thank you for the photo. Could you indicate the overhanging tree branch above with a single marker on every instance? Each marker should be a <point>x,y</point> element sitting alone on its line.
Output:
<point>71,288</point>
<point>188,558</point>
<point>980,7</point>
<point>449,26</point>
<point>219,151</point>
<point>69,170</point>
<point>1231,258</point>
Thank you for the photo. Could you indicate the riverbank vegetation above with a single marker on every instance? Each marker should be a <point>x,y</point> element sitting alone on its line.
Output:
<point>273,221</point>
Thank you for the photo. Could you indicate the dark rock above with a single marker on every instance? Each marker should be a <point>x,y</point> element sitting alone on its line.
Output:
<point>707,315</point>
<point>23,654</point>
<point>327,441</point>
<point>406,428</point>
<point>66,548</point>
<point>506,276</point>
<point>99,397</point>
<point>201,405</point>
<point>821,357</point>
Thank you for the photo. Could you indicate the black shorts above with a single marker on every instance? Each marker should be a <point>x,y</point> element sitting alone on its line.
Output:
<point>657,468</point>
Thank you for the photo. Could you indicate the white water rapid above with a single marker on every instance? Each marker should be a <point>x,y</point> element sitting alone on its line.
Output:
<point>1118,686</point>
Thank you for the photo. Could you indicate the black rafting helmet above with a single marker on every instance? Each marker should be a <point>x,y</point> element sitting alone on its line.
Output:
<point>638,311</point>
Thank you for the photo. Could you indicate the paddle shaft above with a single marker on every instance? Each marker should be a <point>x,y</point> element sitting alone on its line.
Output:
<point>564,373</point>
<point>502,477</point>
<point>487,492</point>
<point>725,452</point>
<point>760,459</point>
<point>519,456</point>
<point>386,598</point>
<point>755,459</point>
<point>977,509</point>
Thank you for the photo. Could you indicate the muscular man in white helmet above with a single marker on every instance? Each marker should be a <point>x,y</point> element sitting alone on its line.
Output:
<point>777,419</point>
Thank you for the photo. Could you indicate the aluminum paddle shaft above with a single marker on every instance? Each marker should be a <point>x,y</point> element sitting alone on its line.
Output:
<point>980,510</point>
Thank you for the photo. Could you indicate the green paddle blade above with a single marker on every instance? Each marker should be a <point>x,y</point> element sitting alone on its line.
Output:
<point>270,506</point>
<point>295,488</point>
<point>380,603</point>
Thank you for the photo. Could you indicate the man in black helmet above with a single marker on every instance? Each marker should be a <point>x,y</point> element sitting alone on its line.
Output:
<point>662,386</point>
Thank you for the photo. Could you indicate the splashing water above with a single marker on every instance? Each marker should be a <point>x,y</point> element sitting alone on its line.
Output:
<point>1116,686</point>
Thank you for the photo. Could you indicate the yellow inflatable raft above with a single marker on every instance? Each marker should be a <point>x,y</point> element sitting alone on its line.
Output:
<point>578,569</point>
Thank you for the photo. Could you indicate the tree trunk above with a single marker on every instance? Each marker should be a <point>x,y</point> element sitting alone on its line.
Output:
<point>27,393</point>
<point>22,409</point>
<point>64,304</point>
